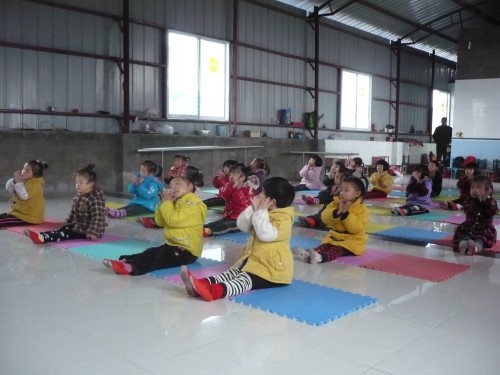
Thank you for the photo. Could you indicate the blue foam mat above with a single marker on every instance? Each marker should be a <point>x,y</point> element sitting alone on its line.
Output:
<point>111,250</point>
<point>306,302</point>
<point>414,234</point>
<point>200,263</point>
<point>295,241</point>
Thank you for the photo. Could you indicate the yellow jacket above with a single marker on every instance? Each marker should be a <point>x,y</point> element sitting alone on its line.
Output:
<point>31,210</point>
<point>183,221</point>
<point>348,231</point>
<point>271,260</point>
<point>382,181</point>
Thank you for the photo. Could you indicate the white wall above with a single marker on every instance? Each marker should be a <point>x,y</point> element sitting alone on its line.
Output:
<point>476,108</point>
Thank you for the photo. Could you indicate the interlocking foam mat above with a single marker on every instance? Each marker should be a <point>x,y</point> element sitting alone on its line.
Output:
<point>295,241</point>
<point>413,234</point>
<point>405,265</point>
<point>77,243</point>
<point>111,250</point>
<point>305,302</point>
<point>48,225</point>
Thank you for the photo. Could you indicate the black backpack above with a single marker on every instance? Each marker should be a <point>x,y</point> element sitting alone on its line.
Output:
<point>458,162</point>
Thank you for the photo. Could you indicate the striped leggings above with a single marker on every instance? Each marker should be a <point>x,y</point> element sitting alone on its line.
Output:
<point>235,281</point>
<point>7,220</point>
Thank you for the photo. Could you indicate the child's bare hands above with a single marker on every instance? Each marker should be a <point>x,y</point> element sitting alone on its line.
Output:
<point>256,201</point>
<point>91,237</point>
<point>220,174</point>
<point>167,195</point>
<point>18,177</point>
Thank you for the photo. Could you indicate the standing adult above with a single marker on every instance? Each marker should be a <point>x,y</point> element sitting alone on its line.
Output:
<point>442,137</point>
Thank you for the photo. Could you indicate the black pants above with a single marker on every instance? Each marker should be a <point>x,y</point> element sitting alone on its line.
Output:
<point>213,202</point>
<point>441,151</point>
<point>156,258</point>
<point>222,226</point>
<point>135,210</point>
<point>64,233</point>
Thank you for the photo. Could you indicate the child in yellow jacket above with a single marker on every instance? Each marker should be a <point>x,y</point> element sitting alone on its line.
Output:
<point>27,202</point>
<point>347,217</point>
<point>266,260</point>
<point>381,180</point>
<point>182,215</point>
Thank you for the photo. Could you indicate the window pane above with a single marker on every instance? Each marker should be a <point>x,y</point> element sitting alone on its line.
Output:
<point>440,107</point>
<point>182,75</point>
<point>348,100</point>
<point>363,109</point>
<point>213,80</point>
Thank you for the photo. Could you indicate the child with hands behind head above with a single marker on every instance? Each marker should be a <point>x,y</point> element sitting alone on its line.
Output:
<point>145,187</point>
<point>266,260</point>
<point>347,217</point>
<point>182,214</point>
<point>27,201</point>
<point>86,219</point>
<point>237,195</point>
<point>477,232</point>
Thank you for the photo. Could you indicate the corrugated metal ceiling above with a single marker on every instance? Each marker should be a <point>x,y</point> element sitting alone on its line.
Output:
<point>423,24</point>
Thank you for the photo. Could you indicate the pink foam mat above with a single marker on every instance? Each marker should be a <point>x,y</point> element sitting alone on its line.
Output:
<point>48,225</point>
<point>85,242</point>
<point>370,256</point>
<point>420,268</point>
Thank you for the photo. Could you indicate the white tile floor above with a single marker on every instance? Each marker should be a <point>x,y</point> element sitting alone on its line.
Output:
<point>62,313</point>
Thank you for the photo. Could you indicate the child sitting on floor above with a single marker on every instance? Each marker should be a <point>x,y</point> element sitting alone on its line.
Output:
<point>311,174</point>
<point>260,169</point>
<point>182,214</point>
<point>219,181</point>
<point>418,194</point>
<point>477,232</point>
<point>237,195</point>
<point>325,195</point>
<point>435,177</point>
<point>27,204</point>
<point>347,217</point>
<point>463,185</point>
<point>266,260</point>
<point>314,221</point>
<point>86,219</point>
<point>145,188</point>
<point>178,169</point>
<point>381,180</point>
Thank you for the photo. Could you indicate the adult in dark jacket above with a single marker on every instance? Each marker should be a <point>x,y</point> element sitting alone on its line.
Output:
<point>442,137</point>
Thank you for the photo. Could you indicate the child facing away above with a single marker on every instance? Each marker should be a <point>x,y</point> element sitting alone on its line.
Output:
<point>311,174</point>
<point>347,217</point>
<point>219,181</point>
<point>435,177</point>
<point>27,204</point>
<point>381,180</point>
<point>182,214</point>
<point>145,188</point>
<point>418,193</point>
<point>259,168</point>
<point>86,219</point>
<point>325,195</point>
<point>178,169</point>
<point>463,185</point>
<point>477,232</point>
<point>237,195</point>
<point>266,261</point>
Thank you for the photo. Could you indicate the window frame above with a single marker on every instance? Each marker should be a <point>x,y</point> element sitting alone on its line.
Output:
<point>358,126</point>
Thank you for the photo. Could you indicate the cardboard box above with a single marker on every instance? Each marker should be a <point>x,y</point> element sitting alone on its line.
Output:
<point>251,133</point>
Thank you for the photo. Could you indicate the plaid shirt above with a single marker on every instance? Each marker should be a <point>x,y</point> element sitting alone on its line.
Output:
<point>87,215</point>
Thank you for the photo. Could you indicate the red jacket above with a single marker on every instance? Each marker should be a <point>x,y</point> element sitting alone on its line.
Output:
<point>220,182</point>
<point>236,200</point>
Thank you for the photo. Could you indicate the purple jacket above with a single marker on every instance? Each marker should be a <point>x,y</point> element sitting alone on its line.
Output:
<point>419,193</point>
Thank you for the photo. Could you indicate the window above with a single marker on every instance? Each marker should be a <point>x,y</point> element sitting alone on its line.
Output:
<point>440,107</point>
<point>356,98</point>
<point>198,77</point>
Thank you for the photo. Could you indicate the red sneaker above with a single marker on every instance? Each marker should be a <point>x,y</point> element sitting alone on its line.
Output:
<point>186,276</point>
<point>308,221</point>
<point>201,288</point>
<point>309,200</point>
<point>35,237</point>
<point>118,267</point>
<point>148,222</point>
<point>206,233</point>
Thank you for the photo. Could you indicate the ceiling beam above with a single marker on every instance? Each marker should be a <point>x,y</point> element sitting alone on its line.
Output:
<point>474,8</point>
<point>398,17</point>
